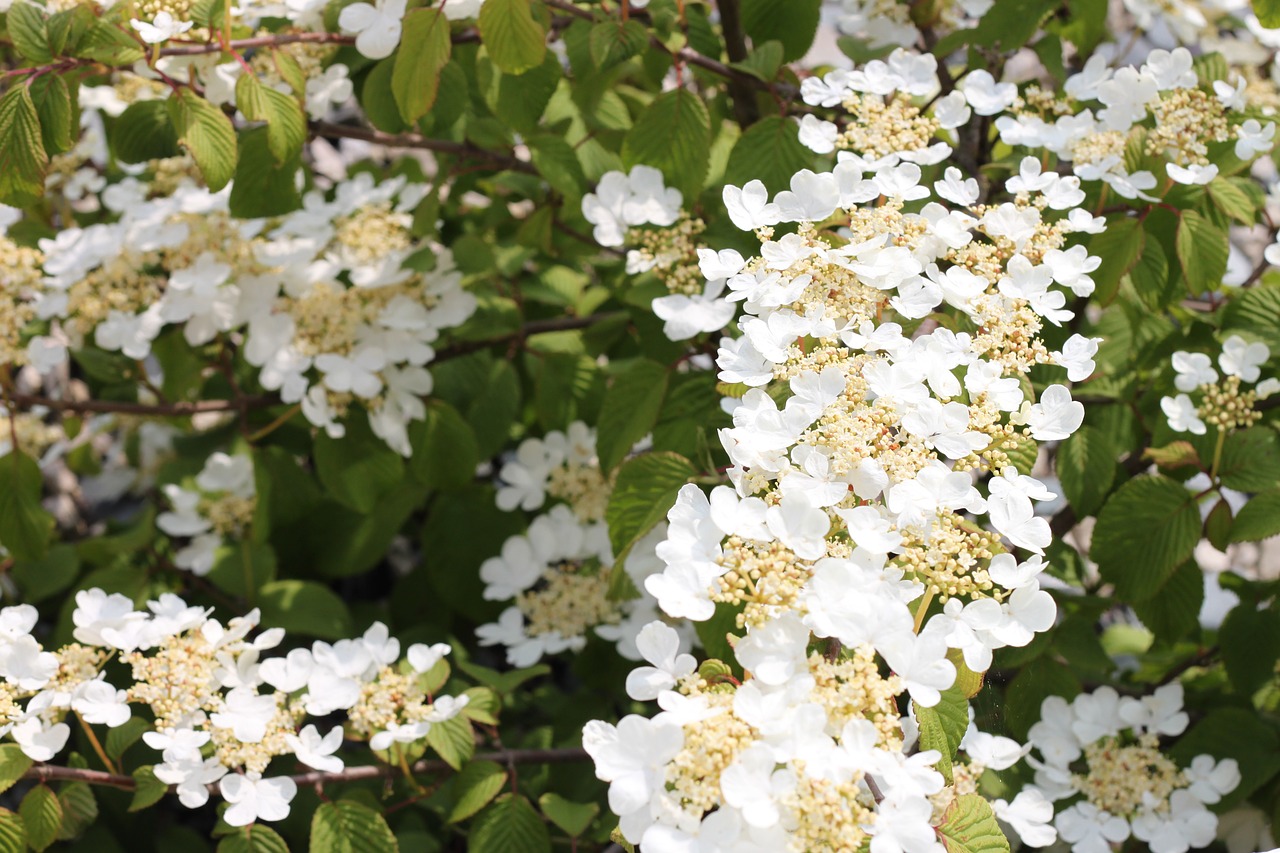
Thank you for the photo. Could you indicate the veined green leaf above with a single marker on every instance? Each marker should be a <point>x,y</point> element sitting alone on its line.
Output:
<point>286,123</point>
<point>425,48</point>
<point>206,132</point>
<point>516,42</point>
<point>22,155</point>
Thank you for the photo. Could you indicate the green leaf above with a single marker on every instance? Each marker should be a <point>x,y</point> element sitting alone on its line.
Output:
<point>616,41</point>
<point>42,816</point>
<point>206,132</point>
<point>346,826</point>
<point>13,835</point>
<point>39,579</point>
<point>22,154</point>
<point>29,33</point>
<point>445,454</point>
<point>143,132</point>
<point>573,818</point>
<point>425,49</point>
<point>79,810</point>
<point>1268,12</point>
<point>482,706</point>
<point>763,62</point>
<point>255,838</point>
<point>1218,524</point>
<point>1150,276</point>
<point>24,524</point>
<point>262,186</point>
<point>453,740</point>
<point>630,409</point>
<point>13,763</point>
<point>969,826</point>
<point>358,468</point>
<point>673,134</point>
<point>304,607</point>
<point>1258,519</point>
<point>1229,197</point>
<point>942,727</point>
<point>68,28</point>
<point>1118,247</point>
<point>474,786</point>
<point>379,103</point>
<point>148,790</point>
<point>1086,467</point>
<point>110,45</point>
<point>1233,733</point>
<point>1145,531</point>
<point>1008,25</point>
<point>1250,460</point>
<point>516,42</point>
<point>646,487</point>
<point>1250,642</point>
<point>120,738</point>
<point>1173,611</point>
<point>1202,251</point>
<point>521,99</point>
<point>770,150</point>
<point>1255,314</point>
<point>555,160</point>
<point>792,22</point>
<point>510,825</point>
<point>286,123</point>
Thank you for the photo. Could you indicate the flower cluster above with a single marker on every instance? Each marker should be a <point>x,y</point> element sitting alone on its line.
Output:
<point>223,712</point>
<point>1101,761</point>
<point>1222,401</point>
<point>621,208</point>
<point>220,507</point>
<point>560,574</point>
<point>854,452</point>
<point>337,303</point>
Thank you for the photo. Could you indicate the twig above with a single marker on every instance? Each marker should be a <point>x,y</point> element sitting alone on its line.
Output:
<point>56,773</point>
<point>416,140</point>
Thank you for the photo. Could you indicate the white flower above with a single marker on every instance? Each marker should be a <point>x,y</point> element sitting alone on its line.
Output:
<point>377,27</point>
<point>775,651</point>
<point>1194,369</point>
<point>99,702</point>
<point>632,757</point>
<point>356,373</point>
<point>399,733</point>
<point>423,658</point>
<point>985,95</point>
<point>1182,414</point>
<point>1090,830</point>
<point>1030,816</point>
<point>163,28</point>
<point>1241,359</point>
<point>331,88</point>
<point>1212,780</point>
<point>1192,174</point>
<point>1253,139</point>
<point>191,774</point>
<point>1077,357</point>
<point>749,207</point>
<point>1056,416</point>
<point>38,742</point>
<point>253,798</point>
<point>659,644</point>
<point>316,751</point>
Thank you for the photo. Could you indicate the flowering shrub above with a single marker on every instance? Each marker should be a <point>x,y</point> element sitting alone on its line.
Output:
<point>663,425</point>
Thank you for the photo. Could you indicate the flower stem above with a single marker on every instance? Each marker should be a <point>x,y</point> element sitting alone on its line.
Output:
<point>97,745</point>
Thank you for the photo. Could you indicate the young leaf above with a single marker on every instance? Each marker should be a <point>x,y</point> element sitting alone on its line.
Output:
<point>13,763</point>
<point>969,826</point>
<point>58,111</point>
<point>110,45</point>
<point>612,42</point>
<point>22,154</point>
<point>286,123</point>
<point>942,727</point>
<point>255,838</point>
<point>148,790</point>
<point>206,132</point>
<point>516,41</point>
<point>425,50</point>
<point>29,32</point>
<point>573,818</point>
<point>42,816</point>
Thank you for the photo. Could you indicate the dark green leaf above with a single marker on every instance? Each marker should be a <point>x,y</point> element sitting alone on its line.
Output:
<point>1202,252</point>
<point>358,468</point>
<point>630,409</point>
<point>769,150</point>
<point>24,524</point>
<point>304,607</point>
<point>617,41</point>
<point>1258,519</point>
<point>673,134</point>
<point>792,22</point>
<point>13,763</point>
<point>1173,611</point>
<point>255,838</point>
<point>1118,247</point>
<point>262,186</point>
<point>143,132</point>
<point>346,826</point>
<point>509,825</point>
<point>1145,531</point>
<point>573,818</point>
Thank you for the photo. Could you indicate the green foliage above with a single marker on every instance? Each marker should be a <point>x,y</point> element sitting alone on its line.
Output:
<point>1202,252</point>
<point>286,123</point>
<point>41,814</point>
<point>509,825</point>
<point>943,725</point>
<point>770,151</point>
<point>255,838</point>
<point>1144,532</point>
<point>630,409</point>
<point>13,763</point>
<point>673,134</point>
<point>1086,467</point>
<point>415,75</point>
<point>515,40</point>
<point>24,524</point>
<point>22,152</point>
<point>645,489</point>
<point>474,787</point>
<point>207,135</point>
<point>969,826</point>
<point>793,23</point>
<point>143,132</point>
<point>347,826</point>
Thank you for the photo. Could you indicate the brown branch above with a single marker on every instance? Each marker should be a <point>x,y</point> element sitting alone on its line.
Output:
<point>735,45</point>
<point>26,401</point>
<point>55,773</point>
<point>416,140</point>
<point>535,327</point>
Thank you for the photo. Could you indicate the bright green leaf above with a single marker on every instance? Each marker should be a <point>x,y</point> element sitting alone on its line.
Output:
<point>22,153</point>
<point>474,787</point>
<point>969,826</point>
<point>942,727</point>
<point>206,132</point>
<point>1086,467</point>
<point>516,42</point>
<point>13,763</point>
<point>770,151</point>
<point>646,487</point>
<point>286,123</point>
<point>425,50</point>
<point>1258,519</point>
<point>1202,252</point>
<point>346,826</point>
<point>573,818</point>
<point>509,825</point>
<point>42,816</point>
<point>255,838</point>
